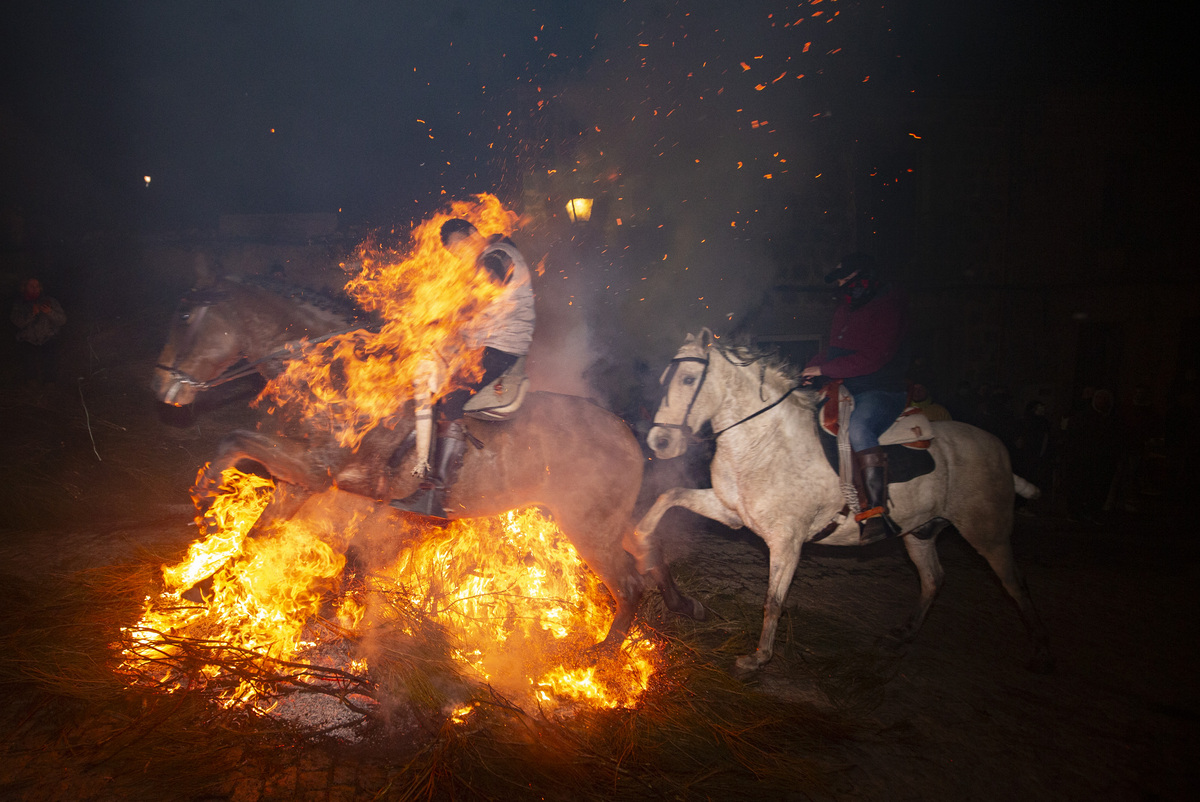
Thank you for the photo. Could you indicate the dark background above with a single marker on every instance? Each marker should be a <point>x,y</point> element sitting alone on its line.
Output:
<point>1026,168</point>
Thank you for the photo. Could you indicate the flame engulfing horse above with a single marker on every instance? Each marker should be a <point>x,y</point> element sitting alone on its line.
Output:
<point>770,473</point>
<point>576,459</point>
<point>225,329</point>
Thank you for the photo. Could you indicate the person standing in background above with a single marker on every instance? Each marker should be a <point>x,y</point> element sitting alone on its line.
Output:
<point>38,318</point>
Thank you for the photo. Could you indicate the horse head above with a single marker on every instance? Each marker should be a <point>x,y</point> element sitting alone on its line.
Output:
<point>685,405</point>
<point>203,342</point>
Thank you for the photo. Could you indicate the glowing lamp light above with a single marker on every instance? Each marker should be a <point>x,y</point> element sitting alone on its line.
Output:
<point>579,210</point>
<point>146,178</point>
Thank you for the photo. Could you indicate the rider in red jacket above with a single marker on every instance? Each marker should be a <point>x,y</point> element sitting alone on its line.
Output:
<point>868,351</point>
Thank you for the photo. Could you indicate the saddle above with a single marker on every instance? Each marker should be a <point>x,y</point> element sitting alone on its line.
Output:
<point>911,429</point>
<point>906,442</point>
<point>500,399</point>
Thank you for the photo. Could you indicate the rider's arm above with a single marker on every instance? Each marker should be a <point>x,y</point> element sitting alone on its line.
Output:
<point>426,384</point>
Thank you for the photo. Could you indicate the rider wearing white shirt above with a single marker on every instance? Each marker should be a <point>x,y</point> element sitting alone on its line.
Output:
<point>503,332</point>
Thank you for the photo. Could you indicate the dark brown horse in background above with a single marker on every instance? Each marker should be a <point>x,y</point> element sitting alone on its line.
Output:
<point>227,328</point>
<point>574,458</point>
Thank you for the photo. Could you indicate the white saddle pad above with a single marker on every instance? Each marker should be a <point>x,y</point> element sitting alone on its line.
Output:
<point>503,397</point>
<point>908,428</point>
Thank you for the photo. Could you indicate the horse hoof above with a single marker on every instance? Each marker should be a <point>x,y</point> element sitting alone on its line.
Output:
<point>606,649</point>
<point>748,664</point>
<point>698,611</point>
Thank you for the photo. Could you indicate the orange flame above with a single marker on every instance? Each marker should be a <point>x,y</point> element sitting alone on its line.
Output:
<point>425,295</point>
<point>523,607</point>
<point>519,604</point>
<point>264,589</point>
<point>240,501</point>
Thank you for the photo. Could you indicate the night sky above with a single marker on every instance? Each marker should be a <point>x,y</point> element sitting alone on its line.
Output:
<point>370,107</point>
<point>723,138</point>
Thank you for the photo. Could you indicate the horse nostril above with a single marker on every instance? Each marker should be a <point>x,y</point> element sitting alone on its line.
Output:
<point>661,443</point>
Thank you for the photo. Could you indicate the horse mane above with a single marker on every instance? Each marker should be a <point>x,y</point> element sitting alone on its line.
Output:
<point>742,351</point>
<point>318,299</point>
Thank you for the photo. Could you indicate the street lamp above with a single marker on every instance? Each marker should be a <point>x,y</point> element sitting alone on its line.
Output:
<point>579,210</point>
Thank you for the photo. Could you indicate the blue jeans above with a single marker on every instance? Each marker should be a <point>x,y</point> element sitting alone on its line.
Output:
<point>874,412</point>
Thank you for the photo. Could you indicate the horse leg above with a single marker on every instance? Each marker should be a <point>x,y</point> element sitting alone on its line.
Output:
<point>675,600</point>
<point>922,550</point>
<point>1000,557</point>
<point>702,502</point>
<point>596,535</point>
<point>649,551</point>
<point>617,573</point>
<point>284,503</point>
<point>285,460</point>
<point>785,554</point>
<point>282,459</point>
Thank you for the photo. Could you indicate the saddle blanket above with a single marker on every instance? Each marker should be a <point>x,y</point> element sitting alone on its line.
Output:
<point>500,399</point>
<point>911,429</point>
<point>906,442</point>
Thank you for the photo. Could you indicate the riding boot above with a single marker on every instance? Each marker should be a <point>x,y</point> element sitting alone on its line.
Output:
<point>428,499</point>
<point>874,524</point>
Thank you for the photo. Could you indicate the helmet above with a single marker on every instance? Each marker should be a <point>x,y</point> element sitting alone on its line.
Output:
<point>865,284</point>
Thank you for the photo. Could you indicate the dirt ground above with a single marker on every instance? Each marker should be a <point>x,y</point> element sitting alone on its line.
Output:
<point>95,475</point>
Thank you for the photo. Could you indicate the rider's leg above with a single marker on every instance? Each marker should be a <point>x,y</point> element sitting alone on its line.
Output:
<point>874,412</point>
<point>429,499</point>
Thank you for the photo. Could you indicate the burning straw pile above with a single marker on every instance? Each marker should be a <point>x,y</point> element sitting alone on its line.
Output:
<point>424,678</point>
<point>74,731</point>
<point>504,603</point>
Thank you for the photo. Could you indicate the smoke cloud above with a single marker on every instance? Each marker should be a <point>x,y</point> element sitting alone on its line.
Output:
<point>692,128</point>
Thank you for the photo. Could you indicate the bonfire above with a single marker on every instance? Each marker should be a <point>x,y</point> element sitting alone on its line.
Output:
<point>502,606</point>
<point>507,601</point>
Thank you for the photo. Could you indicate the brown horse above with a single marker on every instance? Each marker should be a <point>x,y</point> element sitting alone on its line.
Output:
<point>576,459</point>
<point>228,328</point>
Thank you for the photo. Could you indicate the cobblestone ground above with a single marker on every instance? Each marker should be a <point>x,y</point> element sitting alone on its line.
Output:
<point>954,716</point>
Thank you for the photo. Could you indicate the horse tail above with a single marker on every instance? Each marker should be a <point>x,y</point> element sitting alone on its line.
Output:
<point>1025,489</point>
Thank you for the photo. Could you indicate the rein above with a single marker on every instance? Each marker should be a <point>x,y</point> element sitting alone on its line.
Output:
<point>243,370</point>
<point>683,426</point>
<point>753,415</point>
<point>201,300</point>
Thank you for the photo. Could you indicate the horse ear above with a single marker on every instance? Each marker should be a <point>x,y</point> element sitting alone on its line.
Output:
<point>705,337</point>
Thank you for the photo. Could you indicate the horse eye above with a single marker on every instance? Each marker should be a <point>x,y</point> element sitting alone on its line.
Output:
<point>689,380</point>
<point>184,316</point>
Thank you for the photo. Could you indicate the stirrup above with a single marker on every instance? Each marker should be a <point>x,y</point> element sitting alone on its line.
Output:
<point>883,529</point>
<point>424,501</point>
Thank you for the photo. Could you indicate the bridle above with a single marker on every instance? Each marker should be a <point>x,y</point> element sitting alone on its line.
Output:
<point>238,369</point>
<point>200,304</point>
<point>668,378</point>
<point>683,426</point>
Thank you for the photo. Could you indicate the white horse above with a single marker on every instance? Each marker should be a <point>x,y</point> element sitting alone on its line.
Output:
<point>770,473</point>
